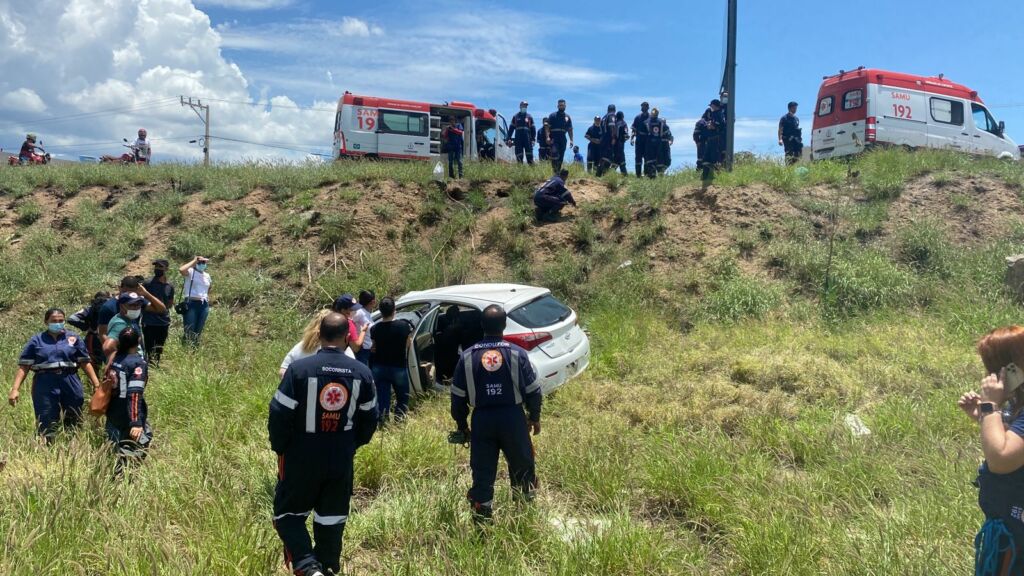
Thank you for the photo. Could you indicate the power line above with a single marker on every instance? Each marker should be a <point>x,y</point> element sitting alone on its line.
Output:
<point>155,104</point>
<point>310,150</point>
<point>271,105</point>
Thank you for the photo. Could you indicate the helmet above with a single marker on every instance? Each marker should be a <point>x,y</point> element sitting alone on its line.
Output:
<point>142,132</point>
<point>31,137</point>
<point>524,103</point>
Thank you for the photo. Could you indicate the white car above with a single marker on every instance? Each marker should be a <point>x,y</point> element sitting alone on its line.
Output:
<point>447,320</point>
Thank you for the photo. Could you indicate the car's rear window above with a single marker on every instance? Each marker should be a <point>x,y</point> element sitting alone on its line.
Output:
<point>544,311</point>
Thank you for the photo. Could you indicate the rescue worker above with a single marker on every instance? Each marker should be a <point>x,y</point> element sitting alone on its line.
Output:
<point>544,141</point>
<point>639,136</point>
<point>559,124</point>
<point>608,141</point>
<point>55,355</point>
<point>658,134</point>
<point>453,145</point>
<point>522,133</point>
<point>323,411</point>
<point>593,137</point>
<point>713,131</point>
<point>496,379</point>
<point>28,149</point>
<point>551,197</point>
<point>127,424</point>
<point>790,135</point>
<point>87,320</point>
<point>621,135</point>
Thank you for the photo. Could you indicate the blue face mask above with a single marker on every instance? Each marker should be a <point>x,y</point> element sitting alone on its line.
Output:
<point>55,327</point>
<point>201,267</point>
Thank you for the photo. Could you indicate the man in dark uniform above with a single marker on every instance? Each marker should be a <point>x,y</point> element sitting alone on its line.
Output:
<point>155,325</point>
<point>324,409</point>
<point>496,379</point>
<point>559,123</point>
<point>543,141</point>
<point>790,135</point>
<point>609,138</point>
<point>621,135</point>
<point>658,135</point>
<point>521,134</point>
<point>593,137</point>
<point>714,139</point>
<point>639,136</point>
<point>551,197</point>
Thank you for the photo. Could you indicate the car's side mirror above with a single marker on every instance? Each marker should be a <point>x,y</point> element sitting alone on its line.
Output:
<point>125,139</point>
<point>1002,126</point>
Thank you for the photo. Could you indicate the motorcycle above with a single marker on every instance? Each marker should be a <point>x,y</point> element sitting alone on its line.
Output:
<point>132,157</point>
<point>34,159</point>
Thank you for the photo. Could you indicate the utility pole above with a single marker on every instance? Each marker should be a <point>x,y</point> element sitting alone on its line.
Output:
<point>728,90</point>
<point>198,107</point>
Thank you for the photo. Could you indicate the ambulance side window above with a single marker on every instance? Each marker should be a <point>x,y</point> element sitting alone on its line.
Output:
<point>410,124</point>
<point>337,122</point>
<point>947,111</point>
<point>983,120</point>
<point>825,106</point>
<point>853,99</point>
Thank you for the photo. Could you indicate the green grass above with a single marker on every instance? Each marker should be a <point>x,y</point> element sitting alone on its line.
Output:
<point>706,437</point>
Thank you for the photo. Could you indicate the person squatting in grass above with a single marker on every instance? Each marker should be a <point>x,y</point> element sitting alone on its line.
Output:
<point>391,340</point>
<point>496,379</point>
<point>127,424</point>
<point>323,411</point>
<point>55,355</point>
<point>551,197</point>
<point>998,407</point>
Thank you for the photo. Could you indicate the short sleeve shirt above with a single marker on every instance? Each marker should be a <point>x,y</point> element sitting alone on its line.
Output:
<point>362,318</point>
<point>44,351</point>
<point>118,324</point>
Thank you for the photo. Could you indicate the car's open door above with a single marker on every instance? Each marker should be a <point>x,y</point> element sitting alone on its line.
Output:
<point>421,349</point>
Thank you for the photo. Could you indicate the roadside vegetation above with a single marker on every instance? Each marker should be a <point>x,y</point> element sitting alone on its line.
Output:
<point>735,331</point>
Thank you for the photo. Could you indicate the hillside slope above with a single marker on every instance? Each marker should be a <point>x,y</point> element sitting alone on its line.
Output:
<point>734,328</point>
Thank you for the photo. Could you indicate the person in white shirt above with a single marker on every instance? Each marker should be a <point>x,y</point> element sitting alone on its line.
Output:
<point>363,317</point>
<point>196,298</point>
<point>141,147</point>
<point>310,343</point>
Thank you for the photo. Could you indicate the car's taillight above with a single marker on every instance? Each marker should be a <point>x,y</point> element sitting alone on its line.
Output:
<point>529,340</point>
<point>869,130</point>
<point>341,143</point>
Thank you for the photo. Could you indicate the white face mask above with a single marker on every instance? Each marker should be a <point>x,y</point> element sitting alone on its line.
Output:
<point>133,314</point>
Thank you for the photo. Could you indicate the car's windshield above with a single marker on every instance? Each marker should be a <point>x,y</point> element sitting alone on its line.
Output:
<point>543,311</point>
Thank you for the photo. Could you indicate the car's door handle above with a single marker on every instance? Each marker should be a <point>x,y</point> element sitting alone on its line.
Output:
<point>977,135</point>
<point>965,133</point>
<point>841,132</point>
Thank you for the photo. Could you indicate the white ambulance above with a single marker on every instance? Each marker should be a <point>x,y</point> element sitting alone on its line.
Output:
<point>374,127</point>
<point>866,107</point>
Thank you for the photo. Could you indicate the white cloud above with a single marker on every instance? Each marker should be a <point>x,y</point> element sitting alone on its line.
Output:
<point>356,27</point>
<point>22,100</point>
<point>247,4</point>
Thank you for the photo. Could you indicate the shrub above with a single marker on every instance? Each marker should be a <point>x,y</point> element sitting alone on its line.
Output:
<point>28,212</point>
<point>741,297</point>
<point>335,229</point>
<point>923,246</point>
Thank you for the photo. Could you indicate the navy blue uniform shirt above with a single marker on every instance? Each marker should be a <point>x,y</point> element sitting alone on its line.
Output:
<point>640,124</point>
<point>165,292</point>
<point>559,122</point>
<point>522,127</point>
<point>127,408</point>
<point>491,374</point>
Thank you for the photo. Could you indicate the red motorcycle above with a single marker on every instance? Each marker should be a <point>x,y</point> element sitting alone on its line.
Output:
<point>43,158</point>
<point>137,156</point>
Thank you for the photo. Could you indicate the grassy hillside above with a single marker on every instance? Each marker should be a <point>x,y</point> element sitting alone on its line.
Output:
<point>734,330</point>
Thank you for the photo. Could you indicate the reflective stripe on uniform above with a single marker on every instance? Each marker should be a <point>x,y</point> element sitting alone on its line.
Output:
<point>533,387</point>
<point>467,364</point>
<point>329,520</point>
<point>52,365</point>
<point>456,391</point>
<point>311,390</point>
<point>136,384</point>
<point>300,514</point>
<point>356,385</point>
<point>368,405</point>
<point>514,367</point>
<point>26,362</point>
<point>285,401</point>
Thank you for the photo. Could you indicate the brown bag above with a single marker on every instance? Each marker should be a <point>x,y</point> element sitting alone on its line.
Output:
<point>101,396</point>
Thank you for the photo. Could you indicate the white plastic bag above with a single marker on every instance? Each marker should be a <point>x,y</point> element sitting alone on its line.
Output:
<point>438,172</point>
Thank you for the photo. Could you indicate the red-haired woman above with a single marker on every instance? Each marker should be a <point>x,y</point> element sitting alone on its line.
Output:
<point>997,407</point>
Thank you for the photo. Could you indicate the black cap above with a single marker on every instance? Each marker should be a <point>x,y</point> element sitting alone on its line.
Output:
<point>716,102</point>
<point>161,262</point>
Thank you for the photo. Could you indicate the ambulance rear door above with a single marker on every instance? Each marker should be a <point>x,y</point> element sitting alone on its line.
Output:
<point>357,130</point>
<point>403,134</point>
<point>502,151</point>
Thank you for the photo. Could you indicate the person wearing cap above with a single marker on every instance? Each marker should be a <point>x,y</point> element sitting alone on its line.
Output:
<point>155,325</point>
<point>361,316</point>
<point>346,305</point>
<point>609,140</point>
<point>324,409</point>
<point>998,408</point>
<point>659,137</point>
<point>496,379</point>
<point>196,289</point>
<point>559,124</point>
<point>551,197</point>
<point>110,308</point>
<point>593,137</point>
<point>130,305</point>
<point>55,355</point>
<point>790,135</point>
<point>522,133</point>
<point>638,138</point>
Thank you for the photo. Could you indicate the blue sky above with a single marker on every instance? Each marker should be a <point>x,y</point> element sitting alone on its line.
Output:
<point>305,53</point>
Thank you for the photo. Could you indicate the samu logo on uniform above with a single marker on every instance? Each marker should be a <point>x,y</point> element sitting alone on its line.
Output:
<point>492,360</point>
<point>333,397</point>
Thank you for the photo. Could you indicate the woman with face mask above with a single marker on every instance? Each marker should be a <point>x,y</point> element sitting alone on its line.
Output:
<point>55,355</point>
<point>197,291</point>
<point>998,408</point>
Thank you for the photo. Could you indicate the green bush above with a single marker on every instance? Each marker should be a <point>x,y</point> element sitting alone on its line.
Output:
<point>741,297</point>
<point>28,212</point>
<point>336,229</point>
<point>923,246</point>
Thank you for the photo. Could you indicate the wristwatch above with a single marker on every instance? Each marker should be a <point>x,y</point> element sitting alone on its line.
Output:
<point>987,408</point>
